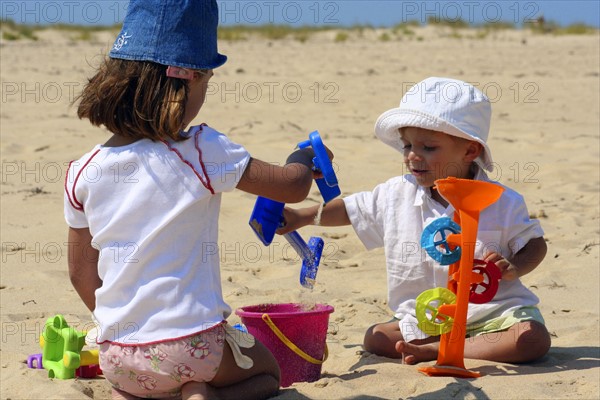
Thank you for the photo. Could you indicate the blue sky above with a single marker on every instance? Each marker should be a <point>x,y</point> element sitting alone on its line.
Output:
<point>322,12</point>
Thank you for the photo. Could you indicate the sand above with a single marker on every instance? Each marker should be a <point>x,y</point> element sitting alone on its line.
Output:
<point>270,95</point>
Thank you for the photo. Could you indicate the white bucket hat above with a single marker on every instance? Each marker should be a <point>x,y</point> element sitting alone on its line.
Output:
<point>444,105</point>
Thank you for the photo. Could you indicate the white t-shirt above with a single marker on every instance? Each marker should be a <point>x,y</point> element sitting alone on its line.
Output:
<point>394,215</point>
<point>152,209</point>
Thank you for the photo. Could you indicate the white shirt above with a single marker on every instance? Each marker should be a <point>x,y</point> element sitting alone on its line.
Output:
<point>154,220</point>
<point>394,215</point>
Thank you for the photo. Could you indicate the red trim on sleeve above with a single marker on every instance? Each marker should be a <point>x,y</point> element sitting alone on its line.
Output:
<point>197,145</point>
<point>76,204</point>
<point>205,183</point>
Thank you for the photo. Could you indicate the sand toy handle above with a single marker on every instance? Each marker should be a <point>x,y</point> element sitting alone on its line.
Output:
<point>328,184</point>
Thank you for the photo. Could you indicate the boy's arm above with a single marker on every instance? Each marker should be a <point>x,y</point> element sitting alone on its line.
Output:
<point>83,266</point>
<point>333,214</point>
<point>525,261</point>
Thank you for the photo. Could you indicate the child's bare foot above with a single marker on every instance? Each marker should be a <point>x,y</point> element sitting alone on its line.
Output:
<point>413,353</point>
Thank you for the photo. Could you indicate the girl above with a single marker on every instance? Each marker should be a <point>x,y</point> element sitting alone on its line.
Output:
<point>143,209</point>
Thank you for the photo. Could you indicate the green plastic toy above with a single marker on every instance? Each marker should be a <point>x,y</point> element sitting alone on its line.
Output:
<point>61,349</point>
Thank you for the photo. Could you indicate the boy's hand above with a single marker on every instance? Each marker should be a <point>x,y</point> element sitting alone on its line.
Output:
<point>291,218</point>
<point>294,220</point>
<point>509,271</point>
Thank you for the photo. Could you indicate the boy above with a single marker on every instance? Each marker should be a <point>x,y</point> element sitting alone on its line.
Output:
<point>441,128</point>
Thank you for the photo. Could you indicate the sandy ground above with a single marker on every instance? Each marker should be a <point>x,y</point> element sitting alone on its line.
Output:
<point>269,96</point>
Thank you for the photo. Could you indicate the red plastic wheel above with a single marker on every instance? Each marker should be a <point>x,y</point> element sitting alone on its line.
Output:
<point>486,290</point>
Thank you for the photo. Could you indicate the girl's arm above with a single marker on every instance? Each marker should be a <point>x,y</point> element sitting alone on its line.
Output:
<point>288,184</point>
<point>83,266</point>
<point>525,261</point>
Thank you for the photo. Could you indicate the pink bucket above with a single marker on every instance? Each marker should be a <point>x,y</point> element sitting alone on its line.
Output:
<point>294,333</point>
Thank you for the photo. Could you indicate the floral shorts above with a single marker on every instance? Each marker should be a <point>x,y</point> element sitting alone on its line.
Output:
<point>160,370</point>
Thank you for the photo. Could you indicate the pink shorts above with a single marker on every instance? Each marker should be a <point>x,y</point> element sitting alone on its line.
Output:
<point>161,369</point>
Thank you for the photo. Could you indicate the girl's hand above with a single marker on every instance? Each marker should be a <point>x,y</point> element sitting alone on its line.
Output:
<point>319,174</point>
<point>509,271</point>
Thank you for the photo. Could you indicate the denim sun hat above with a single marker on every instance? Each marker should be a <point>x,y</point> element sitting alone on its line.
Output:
<point>179,33</point>
<point>445,105</point>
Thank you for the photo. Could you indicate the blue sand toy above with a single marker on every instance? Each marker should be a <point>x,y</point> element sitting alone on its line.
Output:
<point>267,215</point>
<point>440,250</point>
<point>311,256</point>
<point>328,184</point>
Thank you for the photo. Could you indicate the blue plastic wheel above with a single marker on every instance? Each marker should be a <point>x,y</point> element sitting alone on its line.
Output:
<point>433,240</point>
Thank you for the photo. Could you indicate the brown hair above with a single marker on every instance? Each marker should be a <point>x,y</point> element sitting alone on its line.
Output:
<point>135,99</point>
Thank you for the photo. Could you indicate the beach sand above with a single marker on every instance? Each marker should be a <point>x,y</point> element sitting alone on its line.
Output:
<point>269,96</point>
